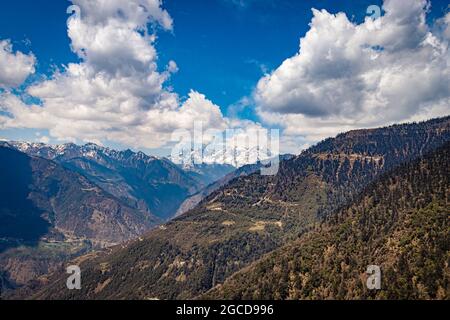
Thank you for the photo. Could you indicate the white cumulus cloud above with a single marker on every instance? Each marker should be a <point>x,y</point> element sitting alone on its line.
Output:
<point>349,75</point>
<point>15,67</point>
<point>116,93</point>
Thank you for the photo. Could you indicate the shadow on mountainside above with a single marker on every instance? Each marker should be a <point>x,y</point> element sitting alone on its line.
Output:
<point>20,220</point>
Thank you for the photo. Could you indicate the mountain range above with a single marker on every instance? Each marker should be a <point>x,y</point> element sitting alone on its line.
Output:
<point>59,202</point>
<point>269,236</point>
<point>150,184</point>
<point>232,154</point>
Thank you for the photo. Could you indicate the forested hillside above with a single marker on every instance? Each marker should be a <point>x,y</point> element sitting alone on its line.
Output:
<point>400,223</point>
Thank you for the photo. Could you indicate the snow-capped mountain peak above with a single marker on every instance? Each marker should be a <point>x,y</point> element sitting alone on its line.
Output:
<point>236,156</point>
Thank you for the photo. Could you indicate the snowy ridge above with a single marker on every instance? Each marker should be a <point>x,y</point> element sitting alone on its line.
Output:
<point>221,155</point>
<point>71,150</point>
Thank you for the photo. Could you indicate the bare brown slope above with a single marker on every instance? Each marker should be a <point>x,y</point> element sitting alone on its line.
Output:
<point>49,214</point>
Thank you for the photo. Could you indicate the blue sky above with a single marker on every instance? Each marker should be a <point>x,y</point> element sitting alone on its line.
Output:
<point>222,47</point>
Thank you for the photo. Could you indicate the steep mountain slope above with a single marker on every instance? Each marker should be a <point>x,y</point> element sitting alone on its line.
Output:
<point>48,212</point>
<point>251,216</point>
<point>194,200</point>
<point>399,223</point>
<point>152,185</point>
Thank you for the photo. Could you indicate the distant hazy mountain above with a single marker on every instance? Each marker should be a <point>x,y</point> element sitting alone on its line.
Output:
<point>49,213</point>
<point>253,215</point>
<point>207,174</point>
<point>150,184</point>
